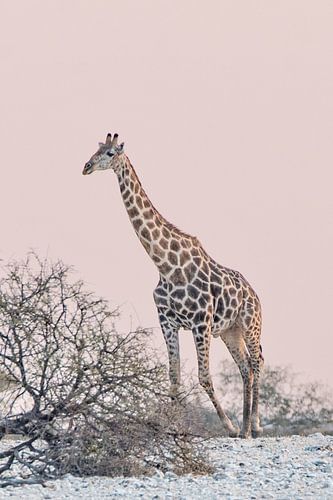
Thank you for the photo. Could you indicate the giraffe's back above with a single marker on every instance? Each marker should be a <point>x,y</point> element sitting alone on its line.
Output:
<point>204,291</point>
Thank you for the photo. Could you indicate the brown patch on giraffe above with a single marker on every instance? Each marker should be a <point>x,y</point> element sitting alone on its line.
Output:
<point>155,234</point>
<point>146,203</point>
<point>173,258</point>
<point>190,304</point>
<point>145,233</point>
<point>220,307</point>
<point>227,313</point>
<point>161,292</point>
<point>177,277</point>
<point>159,221</point>
<point>137,223</point>
<point>193,292</point>
<point>148,214</point>
<point>139,202</point>
<point>200,317</point>
<point>165,268</point>
<point>226,297</point>
<point>166,232</point>
<point>133,212</point>
<point>226,281</point>
<point>178,294</point>
<point>247,320</point>
<point>157,250</point>
<point>190,271</point>
<point>175,246</point>
<point>150,225</point>
<point>164,243</point>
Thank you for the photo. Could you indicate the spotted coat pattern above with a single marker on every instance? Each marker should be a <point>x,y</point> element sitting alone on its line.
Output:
<point>194,292</point>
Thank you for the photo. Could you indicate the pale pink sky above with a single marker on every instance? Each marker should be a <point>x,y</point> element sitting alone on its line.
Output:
<point>226,110</point>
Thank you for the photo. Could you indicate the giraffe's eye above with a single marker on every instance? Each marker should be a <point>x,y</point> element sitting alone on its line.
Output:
<point>109,153</point>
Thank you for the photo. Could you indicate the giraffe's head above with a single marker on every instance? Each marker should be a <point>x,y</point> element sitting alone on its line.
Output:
<point>106,156</point>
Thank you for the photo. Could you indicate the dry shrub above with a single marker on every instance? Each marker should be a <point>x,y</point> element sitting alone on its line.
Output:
<point>287,404</point>
<point>85,399</point>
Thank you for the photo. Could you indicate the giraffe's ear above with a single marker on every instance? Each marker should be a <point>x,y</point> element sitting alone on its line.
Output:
<point>101,144</point>
<point>120,148</point>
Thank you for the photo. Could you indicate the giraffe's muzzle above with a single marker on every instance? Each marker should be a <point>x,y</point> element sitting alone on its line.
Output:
<point>88,169</point>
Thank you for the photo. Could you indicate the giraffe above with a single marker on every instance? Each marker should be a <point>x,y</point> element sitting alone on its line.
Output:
<point>194,292</point>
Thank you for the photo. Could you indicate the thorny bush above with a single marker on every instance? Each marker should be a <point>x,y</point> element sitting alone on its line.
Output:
<point>84,398</point>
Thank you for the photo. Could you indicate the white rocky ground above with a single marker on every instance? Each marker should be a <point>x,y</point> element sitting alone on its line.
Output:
<point>287,468</point>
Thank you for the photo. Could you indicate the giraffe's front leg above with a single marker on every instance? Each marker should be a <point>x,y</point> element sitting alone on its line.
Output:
<point>201,336</point>
<point>171,337</point>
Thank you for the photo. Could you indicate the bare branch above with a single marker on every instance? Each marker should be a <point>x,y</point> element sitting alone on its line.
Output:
<point>90,401</point>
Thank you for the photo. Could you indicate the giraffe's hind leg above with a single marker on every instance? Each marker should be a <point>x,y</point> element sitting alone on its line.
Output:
<point>234,341</point>
<point>252,341</point>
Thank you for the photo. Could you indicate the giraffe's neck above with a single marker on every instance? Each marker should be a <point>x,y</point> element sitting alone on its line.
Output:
<point>159,238</point>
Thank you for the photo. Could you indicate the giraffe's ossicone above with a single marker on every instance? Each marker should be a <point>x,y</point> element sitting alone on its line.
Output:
<point>194,292</point>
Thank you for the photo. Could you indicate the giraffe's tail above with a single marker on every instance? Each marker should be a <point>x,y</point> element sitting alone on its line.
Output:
<point>261,356</point>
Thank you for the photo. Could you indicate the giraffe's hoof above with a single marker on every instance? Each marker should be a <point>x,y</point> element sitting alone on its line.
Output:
<point>233,433</point>
<point>176,400</point>
<point>257,432</point>
<point>245,435</point>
